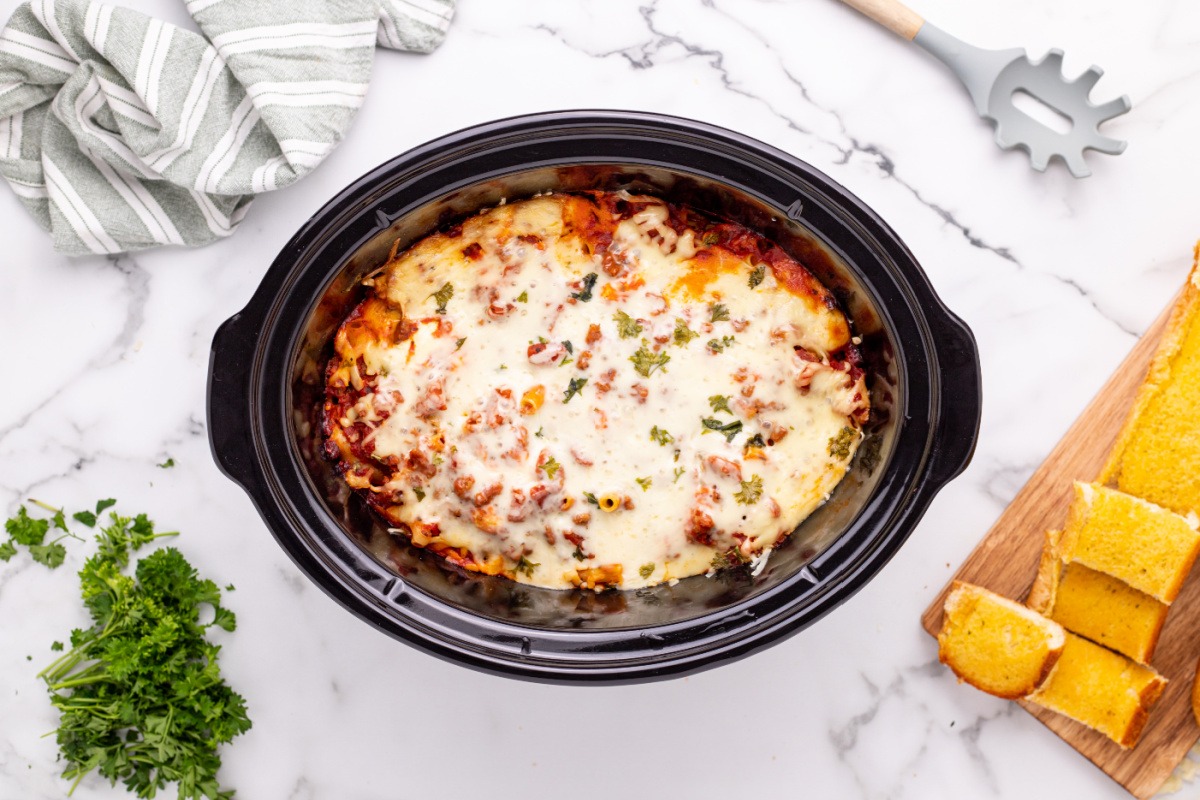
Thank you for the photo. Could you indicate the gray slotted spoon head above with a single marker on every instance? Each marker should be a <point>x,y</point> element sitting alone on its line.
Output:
<point>993,77</point>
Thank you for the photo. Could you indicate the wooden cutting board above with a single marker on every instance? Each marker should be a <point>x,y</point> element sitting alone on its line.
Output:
<point>1006,561</point>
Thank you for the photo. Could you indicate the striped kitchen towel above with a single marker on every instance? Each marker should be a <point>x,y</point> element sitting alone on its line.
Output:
<point>120,132</point>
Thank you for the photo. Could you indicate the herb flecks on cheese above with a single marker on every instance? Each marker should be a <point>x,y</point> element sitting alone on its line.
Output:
<point>616,480</point>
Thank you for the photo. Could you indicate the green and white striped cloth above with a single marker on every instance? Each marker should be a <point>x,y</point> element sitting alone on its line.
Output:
<point>120,132</point>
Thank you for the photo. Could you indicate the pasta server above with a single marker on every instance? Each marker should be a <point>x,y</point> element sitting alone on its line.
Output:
<point>993,77</point>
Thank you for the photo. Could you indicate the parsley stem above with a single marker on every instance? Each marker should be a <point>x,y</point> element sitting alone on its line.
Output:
<point>78,682</point>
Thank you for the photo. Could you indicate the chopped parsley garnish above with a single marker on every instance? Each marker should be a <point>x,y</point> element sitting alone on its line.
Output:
<point>730,558</point>
<point>526,567</point>
<point>627,326</point>
<point>458,345</point>
<point>591,498</point>
<point>729,430</point>
<point>57,647</point>
<point>523,297</point>
<point>170,462</point>
<point>751,491</point>
<point>442,296</point>
<point>419,492</point>
<point>839,446</point>
<point>578,555</point>
<point>570,347</point>
<point>589,283</point>
<point>757,276</point>
<point>645,361</point>
<point>719,345</point>
<point>538,433</point>
<point>720,402</point>
<point>755,441</point>
<point>718,312</point>
<point>502,366</point>
<point>710,238</point>
<point>683,334</point>
<point>646,570</point>
<point>573,388</point>
<point>678,471</point>
<point>660,435</point>
<point>550,467</point>
<point>644,483</point>
<point>437,461</point>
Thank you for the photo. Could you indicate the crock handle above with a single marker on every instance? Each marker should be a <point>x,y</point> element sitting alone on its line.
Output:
<point>961,400</point>
<point>229,399</point>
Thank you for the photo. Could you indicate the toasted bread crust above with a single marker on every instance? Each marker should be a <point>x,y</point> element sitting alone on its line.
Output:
<point>1158,376</point>
<point>1045,583</point>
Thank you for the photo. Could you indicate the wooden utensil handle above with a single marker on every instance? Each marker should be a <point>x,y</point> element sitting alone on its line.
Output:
<point>891,14</point>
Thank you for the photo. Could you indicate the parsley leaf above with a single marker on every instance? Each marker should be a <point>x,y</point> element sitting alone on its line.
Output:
<point>718,312</point>
<point>26,530</point>
<point>660,435</point>
<point>7,550</point>
<point>591,498</point>
<point>589,283</point>
<point>51,555</point>
<point>442,296</point>
<point>523,297</point>
<point>551,467</point>
<point>644,483</point>
<point>646,570</point>
<point>89,518</point>
<point>458,345</point>
<point>573,388</point>
<point>526,567</point>
<point>729,430</point>
<point>755,441</point>
<point>419,492</point>
<point>757,276</point>
<point>170,462</point>
<point>645,361</point>
<point>627,326</point>
<point>750,492</point>
<point>720,402</point>
<point>683,334</point>
<point>678,471</point>
<point>58,520</point>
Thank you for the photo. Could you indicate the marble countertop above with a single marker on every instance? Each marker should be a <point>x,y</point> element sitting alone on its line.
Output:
<point>1056,276</point>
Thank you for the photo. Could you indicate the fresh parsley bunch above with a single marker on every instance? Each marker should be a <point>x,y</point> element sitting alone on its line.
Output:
<point>140,691</point>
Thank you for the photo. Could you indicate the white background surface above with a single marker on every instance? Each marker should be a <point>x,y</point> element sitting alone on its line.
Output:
<point>106,364</point>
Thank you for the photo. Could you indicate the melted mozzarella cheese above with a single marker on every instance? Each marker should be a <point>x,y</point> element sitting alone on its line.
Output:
<point>620,436</point>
